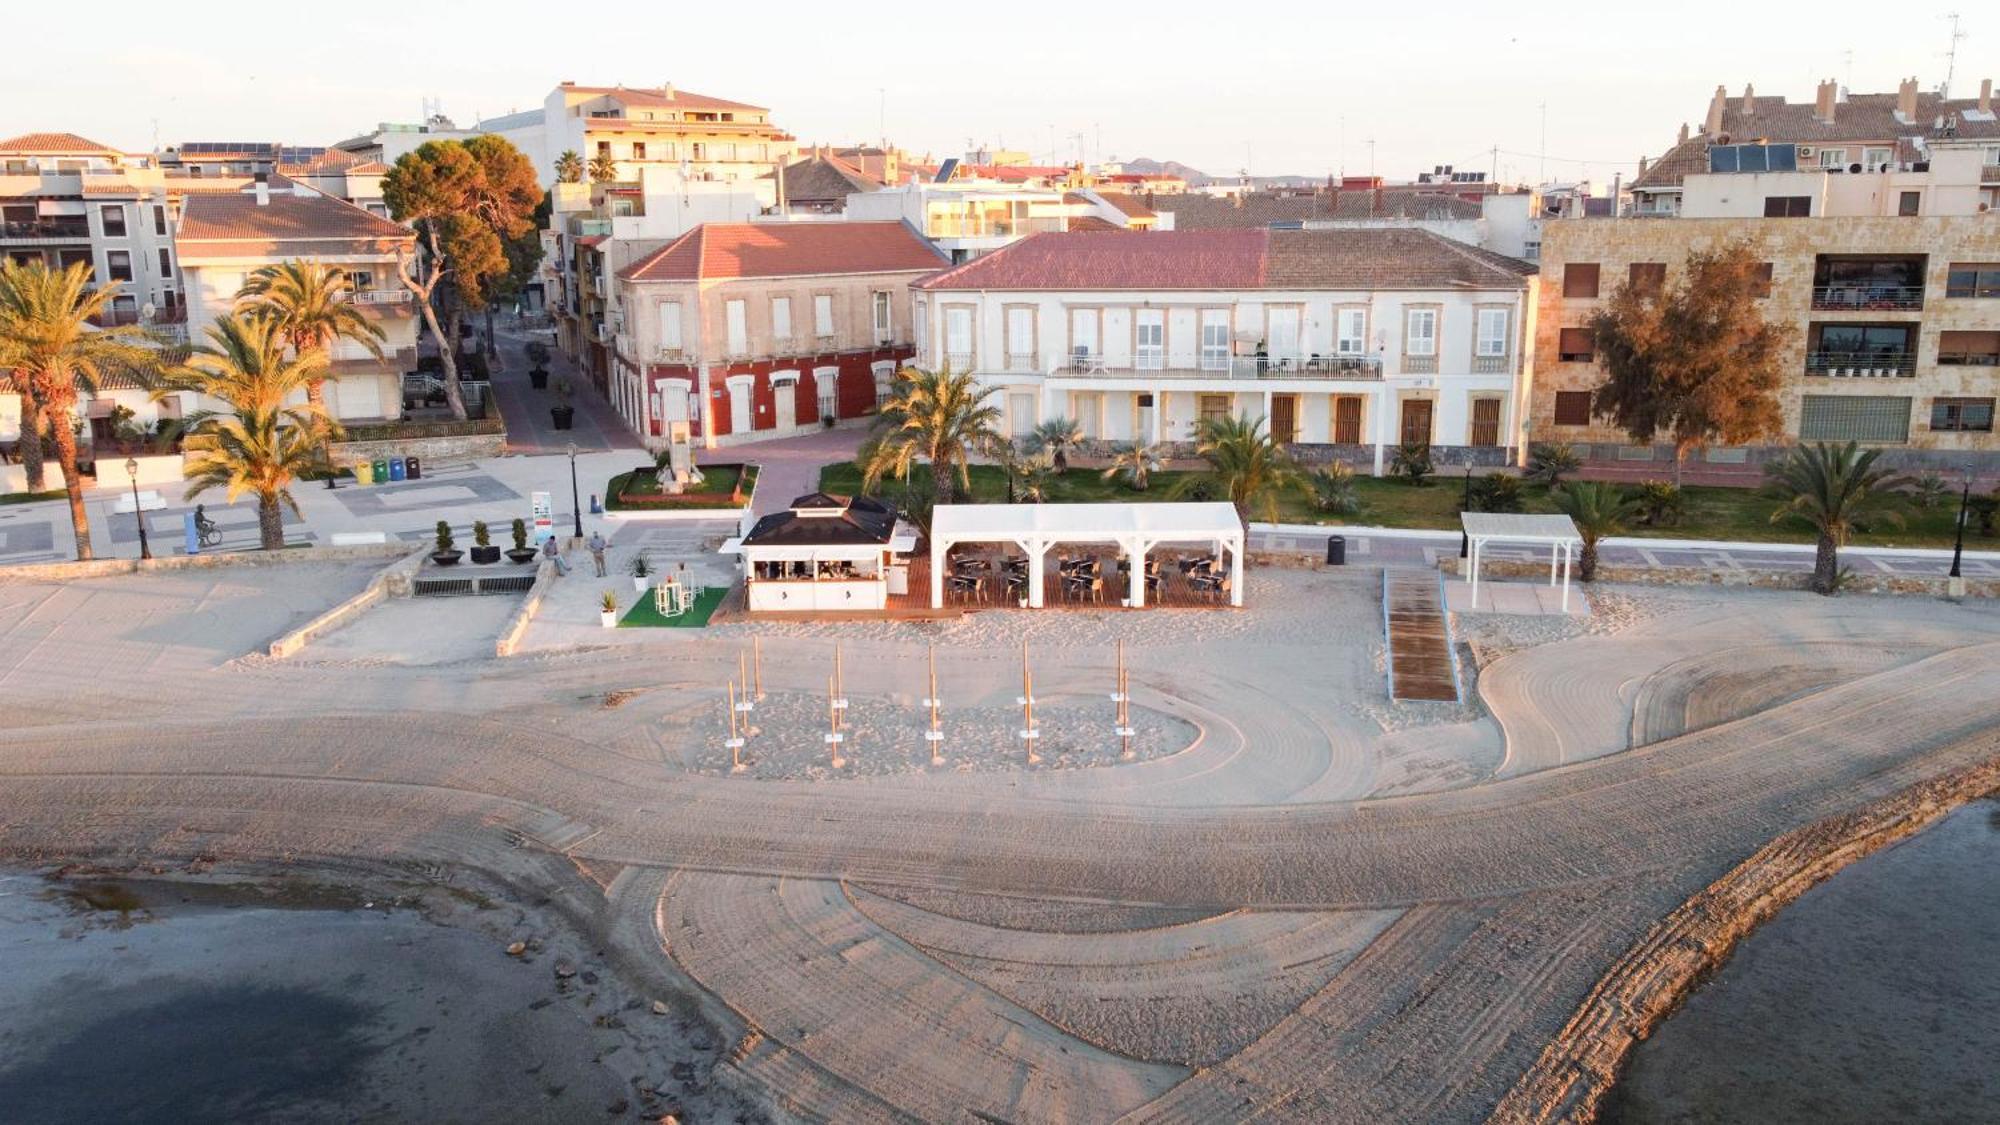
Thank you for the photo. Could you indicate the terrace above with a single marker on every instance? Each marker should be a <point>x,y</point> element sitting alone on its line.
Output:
<point>1868,282</point>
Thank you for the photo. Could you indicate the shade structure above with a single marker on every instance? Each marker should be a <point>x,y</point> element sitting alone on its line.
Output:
<point>1557,532</point>
<point>1134,528</point>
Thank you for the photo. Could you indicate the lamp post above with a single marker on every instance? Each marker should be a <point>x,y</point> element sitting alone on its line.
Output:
<point>139,516</point>
<point>1964,507</point>
<point>1465,505</point>
<point>576,505</point>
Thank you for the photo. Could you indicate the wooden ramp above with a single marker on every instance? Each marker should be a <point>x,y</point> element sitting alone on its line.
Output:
<point>1421,662</point>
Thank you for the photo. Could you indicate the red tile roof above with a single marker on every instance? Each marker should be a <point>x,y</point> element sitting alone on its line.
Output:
<point>725,250</point>
<point>1131,205</point>
<point>1349,259</point>
<point>680,99</point>
<point>67,144</point>
<point>1083,223</point>
<point>289,217</point>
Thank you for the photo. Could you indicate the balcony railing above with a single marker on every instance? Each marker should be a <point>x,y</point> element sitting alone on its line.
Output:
<point>1235,367</point>
<point>961,226</point>
<point>115,318</point>
<point>1420,364</point>
<point>380,296</point>
<point>1862,365</point>
<point>1969,359</point>
<point>1490,364</point>
<point>960,361</point>
<point>1864,297</point>
<point>55,226</point>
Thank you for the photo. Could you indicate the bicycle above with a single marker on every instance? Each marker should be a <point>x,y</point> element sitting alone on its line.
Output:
<point>207,534</point>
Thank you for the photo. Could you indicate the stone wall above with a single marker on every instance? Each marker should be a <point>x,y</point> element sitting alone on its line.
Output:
<point>1859,582</point>
<point>429,450</point>
<point>393,581</point>
<point>102,568</point>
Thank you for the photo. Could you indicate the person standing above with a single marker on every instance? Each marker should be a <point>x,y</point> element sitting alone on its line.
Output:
<point>597,546</point>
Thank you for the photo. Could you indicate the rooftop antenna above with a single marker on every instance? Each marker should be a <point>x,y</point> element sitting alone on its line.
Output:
<point>1371,158</point>
<point>1849,53</point>
<point>882,115</point>
<point>1951,56</point>
<point>1542,168</point>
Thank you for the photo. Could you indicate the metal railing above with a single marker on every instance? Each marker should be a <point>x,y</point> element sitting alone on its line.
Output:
<point>59,226</point>
<point>1863,297</point>
<point>1969,359</point>
<point>1237,367</point>
<point>1862,364</point>
<point>379,296</point>
<point>961,226</point>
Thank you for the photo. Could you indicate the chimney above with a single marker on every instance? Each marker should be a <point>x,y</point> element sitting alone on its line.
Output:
<point>667,90</point>
<point>1713,124</point>
<point>1986,95</point>
<point>1642,160</point>
<point>1824,100</point>
<point>784,207</point>
<point>1749,100</point>
<point>263,182</point>
<point>1906,101</point>
<point>1683,138</point>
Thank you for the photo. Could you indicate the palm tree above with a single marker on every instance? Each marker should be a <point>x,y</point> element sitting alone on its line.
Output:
<point>1244,464</point>
<point>1135,461</point>
<point>1031,479</point>
<point>1836,490</point>
<point>942,418</point>
<point>569,167</point>
<point>1056,437</point>
<point>1597,509</point>
<point>263,439</point>
<point>603,169</point>
<point>312,306</point>
<point>55,350</point>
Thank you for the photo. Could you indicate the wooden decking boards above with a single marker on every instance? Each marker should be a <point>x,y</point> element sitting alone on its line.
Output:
<point>1421,665</point>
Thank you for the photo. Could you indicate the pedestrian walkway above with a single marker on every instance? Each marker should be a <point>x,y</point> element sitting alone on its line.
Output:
<point>788,468</point>
<point>530,426</point>
<point>1421,665</point>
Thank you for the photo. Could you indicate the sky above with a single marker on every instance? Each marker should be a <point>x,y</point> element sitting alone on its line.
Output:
<point>1271,87</point>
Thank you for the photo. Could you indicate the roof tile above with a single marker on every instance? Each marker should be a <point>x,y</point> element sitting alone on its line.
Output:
<point>726,250</point>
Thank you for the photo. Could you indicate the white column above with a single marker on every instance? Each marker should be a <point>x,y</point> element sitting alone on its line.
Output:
<point>1135,556</point>
<point>1267,411</point>
<point>1555,555</point>
<point>1380,410</point>
<point>1159,411</point>
<point>940,548</point>
<point>1565,552</point>
<point>1477,544</point>
<point>1236,572</point>
<point>1036,549</point>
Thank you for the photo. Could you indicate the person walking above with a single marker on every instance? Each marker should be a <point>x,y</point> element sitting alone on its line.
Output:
<point>597,546</point>
<point>553,554</point>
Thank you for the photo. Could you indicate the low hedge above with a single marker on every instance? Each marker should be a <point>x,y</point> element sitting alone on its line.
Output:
<point>412,431</point>
<point>638,490</point>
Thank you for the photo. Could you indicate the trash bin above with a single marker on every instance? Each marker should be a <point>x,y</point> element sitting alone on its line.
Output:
<point>1336,550</point>
<point>396,469</point>
<point>412,470</point>
<point>381,470</point>
<point>364,472</point>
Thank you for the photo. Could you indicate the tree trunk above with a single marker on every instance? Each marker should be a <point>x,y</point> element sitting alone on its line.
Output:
<point>491,352</point>
<point>29,447</point>
<point>1826,566</point>
<point>79,519</point>
<point>270,523</point>
<point>454,397</point>
<point>316,393</point>
<point>1679,455</point>
<point>942,481</point>
<point>1586,561</point>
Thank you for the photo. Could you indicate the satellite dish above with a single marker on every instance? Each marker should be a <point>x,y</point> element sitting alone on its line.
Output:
<point>146,310</point>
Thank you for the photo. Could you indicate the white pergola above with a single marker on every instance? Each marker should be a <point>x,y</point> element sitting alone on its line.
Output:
<point>1555,531</point>
<point>1134,528</point>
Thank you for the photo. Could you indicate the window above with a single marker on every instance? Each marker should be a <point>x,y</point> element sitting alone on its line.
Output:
<point>159,221</point>
<point>1965,415</point>
<point>1420,339</point>
<point>604,149</point>
<point>114,220</point>
<point>1909,203</point>
<point>1973,279</point>
<point>1763,285</point>
<point>1083,333</point>
<point>1351,332</point>
<point>119,262</point>
<point>667,151</point>
<point>1647,278</point>
<point>1215,339</point>
<point>1787,206</point>
<point>725,150</point>
<point>670,326</point>
<point>823,314</point>
<point>1572,408</point>
<point>781,318</point>
<point>1347,419</point>
<point>166,262</point>
<point>1832,157</point>
<point>1020,339</point>
<point>1149,339</point>
<point>1580,279</point>
<point>885,381</point>
<point>1492,337</point>
<point>958,337</point>
<point>1212,408</point>
<point>885,320</point>
<point>638,150</point>
<point>124,310</point>
<point>739,331</point>
<point>1876,418</point>
<point>1872,159</point>
<point>1577,345</point>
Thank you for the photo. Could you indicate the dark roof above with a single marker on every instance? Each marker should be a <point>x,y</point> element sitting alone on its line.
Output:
<point>1684,159</point>
<point>288,215</point>
<point>1341,259</point>
<point>829,178</point>
<point>725,250</point>
<point>1862,117</point>
<point>861,521</point>
<point>1260,209</point>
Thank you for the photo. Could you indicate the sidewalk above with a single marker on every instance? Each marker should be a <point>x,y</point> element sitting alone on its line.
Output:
<point>530,428</point>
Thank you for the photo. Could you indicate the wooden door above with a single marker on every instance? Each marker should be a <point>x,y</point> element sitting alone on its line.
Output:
<point>1417,421</point>
<point>1284,419</point>
<point>1485,421</point>
<point>1347,419</point>
<point>785,405</point>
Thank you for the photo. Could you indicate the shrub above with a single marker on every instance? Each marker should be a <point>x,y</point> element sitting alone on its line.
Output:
<point>1549,462</point>
<point>537,352</point>
<point>1413,462</point>
<point>1497,492</point>
<point>520,530</point>
<point>1660,503</point>
<point>1985,509</point>
<point>443,536</point>
<point>609,601</point>
<point>480,536</point>
<point>1333,489</point>
<point>1929,491</point>
<point>1199,489</point>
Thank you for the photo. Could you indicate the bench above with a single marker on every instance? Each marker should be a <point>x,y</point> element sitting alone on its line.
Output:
<point>357,538</point>
<point>148,501</point>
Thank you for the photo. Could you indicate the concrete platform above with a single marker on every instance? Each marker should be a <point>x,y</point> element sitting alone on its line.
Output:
<point>1526,599</point>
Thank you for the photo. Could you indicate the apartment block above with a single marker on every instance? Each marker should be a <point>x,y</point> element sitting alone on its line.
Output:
<point>742,330</point>
<point>700,136</point>
<point>1345,341</point>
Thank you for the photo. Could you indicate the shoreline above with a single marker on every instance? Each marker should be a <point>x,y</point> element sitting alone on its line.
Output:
<point>1579,1068</point>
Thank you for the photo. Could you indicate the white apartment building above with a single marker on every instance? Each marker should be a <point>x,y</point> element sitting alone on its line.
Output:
<point>701,136</point>
<point>967,218</point>
<point>1345,341</point>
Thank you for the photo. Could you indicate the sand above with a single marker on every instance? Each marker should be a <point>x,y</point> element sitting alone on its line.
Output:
<point>1300,902</point>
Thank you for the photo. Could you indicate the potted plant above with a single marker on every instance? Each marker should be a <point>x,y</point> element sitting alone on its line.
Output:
<point>538,360</point>
<point>562,412</point>
<point>608,610</point>
<point>521,553</point>
<point>483,551</point>
<point>642,574</point>
<point>445,555</point>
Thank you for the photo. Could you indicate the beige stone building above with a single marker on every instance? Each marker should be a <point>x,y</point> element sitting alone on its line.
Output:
<point>1896,323</point>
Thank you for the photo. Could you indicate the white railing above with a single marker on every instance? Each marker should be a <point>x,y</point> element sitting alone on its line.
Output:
<point>379,296</point>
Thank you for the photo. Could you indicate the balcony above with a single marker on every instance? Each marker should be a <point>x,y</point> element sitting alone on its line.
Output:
<point>380,296</point>
<point>1866,298</point>
<point>959,361</point>
<point>969,226</point>
<point>1491,364</point>
<point>69,227</point>
<point>1232,368</point>
<point>1420,365</point>
<point>1862,365</point>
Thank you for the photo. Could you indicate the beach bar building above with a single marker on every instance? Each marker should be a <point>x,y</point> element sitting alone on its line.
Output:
<point>824,554</point>
<point>1134,529</point>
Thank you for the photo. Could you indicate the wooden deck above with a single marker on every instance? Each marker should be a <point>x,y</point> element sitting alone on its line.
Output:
<point>1421,665</point>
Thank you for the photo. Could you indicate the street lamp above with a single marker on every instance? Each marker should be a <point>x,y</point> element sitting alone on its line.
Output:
<point>138,516</point>
<point>1464,506</point>
<point>576,505</point>
<point>1964,508</point>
